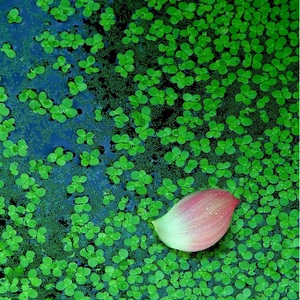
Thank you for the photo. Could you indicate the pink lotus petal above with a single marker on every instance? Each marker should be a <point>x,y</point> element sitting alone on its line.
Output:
<point>197,221</point>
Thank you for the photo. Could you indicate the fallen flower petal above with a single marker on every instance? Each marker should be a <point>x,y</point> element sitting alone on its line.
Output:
<point>197,221</point>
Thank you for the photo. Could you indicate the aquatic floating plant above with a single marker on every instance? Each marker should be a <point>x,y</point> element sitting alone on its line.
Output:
<point>197,221</point>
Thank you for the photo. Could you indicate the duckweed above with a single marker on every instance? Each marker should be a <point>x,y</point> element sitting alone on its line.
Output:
<point>121,111</point>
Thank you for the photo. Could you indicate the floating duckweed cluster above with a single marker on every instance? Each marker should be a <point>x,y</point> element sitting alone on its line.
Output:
<point>110,112</point>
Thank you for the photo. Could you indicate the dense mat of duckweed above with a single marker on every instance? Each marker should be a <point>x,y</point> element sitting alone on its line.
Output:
<point>110,112</point>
